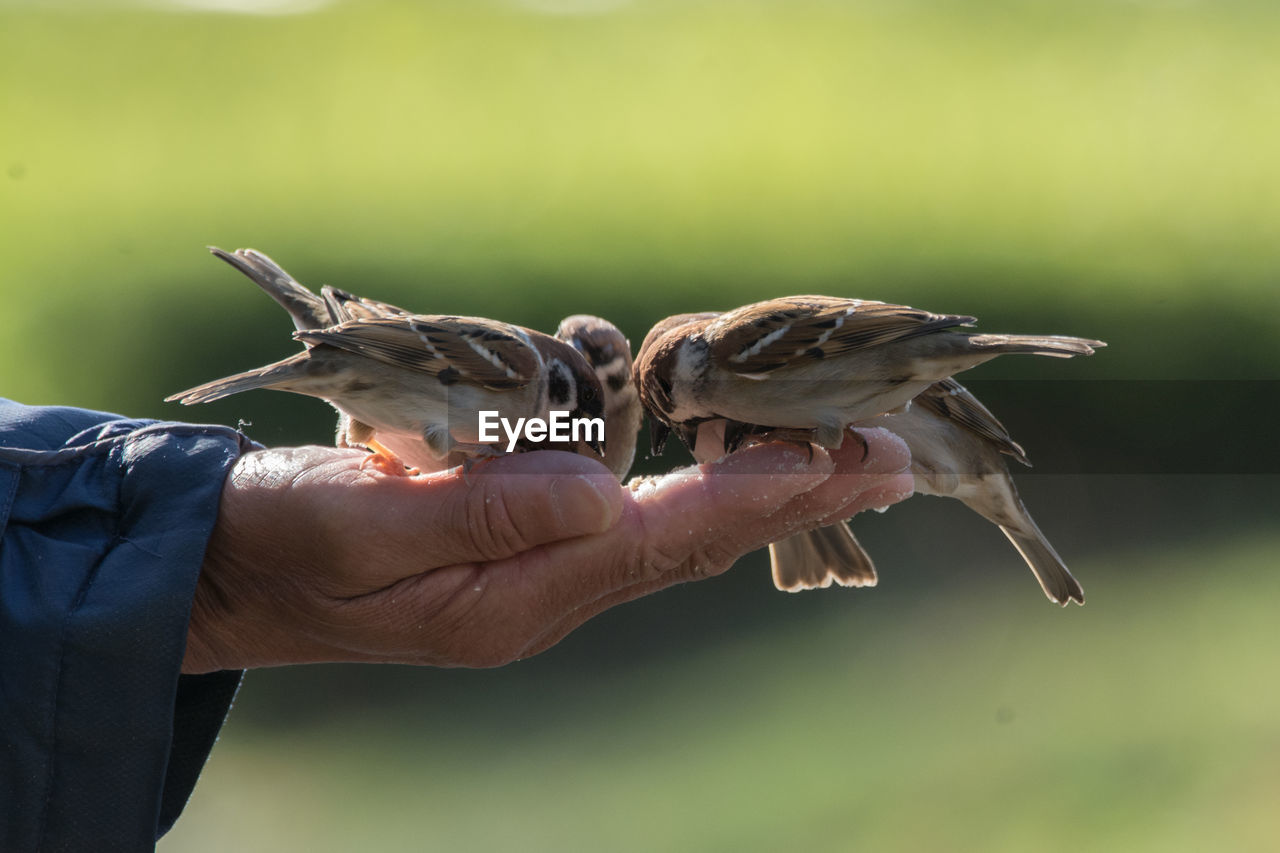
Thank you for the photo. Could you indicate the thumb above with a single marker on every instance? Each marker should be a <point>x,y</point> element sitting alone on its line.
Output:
<point>506,506</point>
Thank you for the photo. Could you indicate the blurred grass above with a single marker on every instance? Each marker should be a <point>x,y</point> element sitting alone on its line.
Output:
<point>978,719</point>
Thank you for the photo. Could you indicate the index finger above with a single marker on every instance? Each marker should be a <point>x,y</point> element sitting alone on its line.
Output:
<point>700,518</point>
<point>880,478</point>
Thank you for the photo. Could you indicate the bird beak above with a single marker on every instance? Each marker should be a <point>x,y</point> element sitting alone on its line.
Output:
<point>658,433</point>
<point>689,435</point>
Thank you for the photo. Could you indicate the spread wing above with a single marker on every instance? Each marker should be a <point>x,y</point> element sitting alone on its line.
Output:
<point>766,336</point>
<point>485,352</point>
<point>951,400</point>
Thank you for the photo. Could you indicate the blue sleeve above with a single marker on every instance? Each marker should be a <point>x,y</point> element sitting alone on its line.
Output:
<point>103,528</point>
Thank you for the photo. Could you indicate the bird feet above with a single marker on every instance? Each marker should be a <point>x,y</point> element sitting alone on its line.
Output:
<point>737,435</point>
<point>386,462</point>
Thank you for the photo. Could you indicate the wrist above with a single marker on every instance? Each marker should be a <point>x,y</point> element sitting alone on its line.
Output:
<point>231,611</point>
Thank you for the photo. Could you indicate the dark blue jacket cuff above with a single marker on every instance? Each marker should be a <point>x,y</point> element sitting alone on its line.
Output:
<point>103,527</point>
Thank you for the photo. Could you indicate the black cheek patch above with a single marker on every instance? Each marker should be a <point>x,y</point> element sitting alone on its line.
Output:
<point>558,387</point>
<point>595,354</point>
<point>664,390</point>
<point>616,382</point>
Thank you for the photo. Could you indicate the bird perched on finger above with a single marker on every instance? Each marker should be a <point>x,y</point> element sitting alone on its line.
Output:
<point>608,352</point>
<point>807,368</point>
<point>411,386</point>
<point>828,363</point>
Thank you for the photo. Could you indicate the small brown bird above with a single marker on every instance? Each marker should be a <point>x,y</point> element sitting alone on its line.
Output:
<point>608,352</point>
<point>805,369</point>
<point>958,450</point>
<point>411,387</point>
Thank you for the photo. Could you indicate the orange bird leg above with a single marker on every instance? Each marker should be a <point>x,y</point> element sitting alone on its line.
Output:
<point>386,462</point>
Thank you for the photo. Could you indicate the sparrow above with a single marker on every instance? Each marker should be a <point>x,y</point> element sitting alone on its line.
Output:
<point>411,386</point>
<point>608,352</point>
<point>958,450</point>
<point>807,368</point>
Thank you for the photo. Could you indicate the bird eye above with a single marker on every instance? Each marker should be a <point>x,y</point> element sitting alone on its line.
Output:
<point>588,393</point>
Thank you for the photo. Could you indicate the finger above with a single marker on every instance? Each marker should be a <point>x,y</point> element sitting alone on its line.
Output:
<point>731,506</point>
<point>897,488</point>
<point>693,521</point>
<point>877,479</point>
<point>663,523</point>
<point>698,521</point>
<point>858,482</point>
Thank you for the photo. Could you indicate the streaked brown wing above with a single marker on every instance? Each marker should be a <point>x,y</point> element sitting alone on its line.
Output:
<point>345,306</point>
<point>951,400</point>
<point>485,352</point>
<point>758,338</point>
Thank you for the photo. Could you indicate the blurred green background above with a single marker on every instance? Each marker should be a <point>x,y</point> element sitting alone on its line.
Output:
<point>1106,168</point>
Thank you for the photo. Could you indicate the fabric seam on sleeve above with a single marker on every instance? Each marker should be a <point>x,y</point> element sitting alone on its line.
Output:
<point>81,594</point>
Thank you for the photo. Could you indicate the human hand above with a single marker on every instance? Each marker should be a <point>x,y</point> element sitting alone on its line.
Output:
<point>317,559</point>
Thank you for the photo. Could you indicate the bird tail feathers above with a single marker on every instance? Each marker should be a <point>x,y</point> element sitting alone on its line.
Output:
<point>307,309</point>
<point>1057,346</point>
<point>817,558</point>
<point>261,377</point>
<point>1058,583</point>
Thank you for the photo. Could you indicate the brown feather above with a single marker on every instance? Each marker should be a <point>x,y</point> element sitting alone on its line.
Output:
<point>481,351</point>
<point>767,336</point>
<point>307,310</point>
<point>951,400</point>
<point>345,306</point>
<point>815,558</point>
